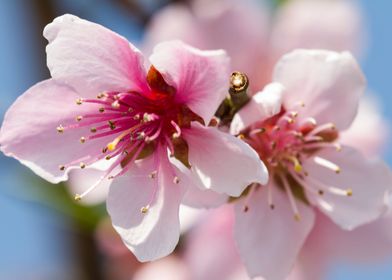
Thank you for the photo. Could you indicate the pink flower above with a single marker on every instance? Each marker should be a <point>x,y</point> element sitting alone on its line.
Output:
<point>261,36</point>
<point>125,122</point>
<point>318,95</point>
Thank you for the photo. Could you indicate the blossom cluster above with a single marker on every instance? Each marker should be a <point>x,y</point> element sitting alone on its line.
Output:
<point>154,135</point>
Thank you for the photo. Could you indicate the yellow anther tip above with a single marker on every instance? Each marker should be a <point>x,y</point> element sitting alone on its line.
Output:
<point>349,192</point>
<point>77,197</point>
<point>298,168</point>
<point>144,209</point>
<point>111,146</point>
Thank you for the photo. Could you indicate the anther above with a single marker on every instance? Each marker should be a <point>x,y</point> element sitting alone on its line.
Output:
<point>115,105</point>
<point>102,95</point>
<point>295,161</point>
<point>104,150</point>
<point>93,130</point>
<point>112,125</point>
<point>257,131</point>
<point>82,140</point>
<point>60,129</point>
<point>101,109</point>
<point>246,208</point>
<point>142,135</point>
<point>62,167</point>
<point>272,206</point>
<point>349,192</point>
<point>77,197</point>
<point>321,192</point>
<point>144,209</point>
<point>297,217</point>
<point>79,118</point>
<point>153,174</point>
<point>136,117</point>
<point>108,157</point>
<point>79,101</point>
<point>241,136</point>
<point>82,165</point>
<point>327,164</point>
<point>176,180</point>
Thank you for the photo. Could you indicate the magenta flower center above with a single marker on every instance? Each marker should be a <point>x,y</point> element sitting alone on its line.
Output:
<point>135,124</point>
<point>283,142</point>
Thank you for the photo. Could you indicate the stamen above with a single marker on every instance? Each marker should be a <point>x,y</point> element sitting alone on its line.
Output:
<point>102,95</point>
<point>153,174</point>
<point>336,146</point>
<point>112,125</point>
<point>270,196</point>
<point>321,128</point>
<point>177,128</point>
<point>293,204</point>
<point>176,180</point>
<point>115,105</point>
<point>82,165</point>
<point>79,118</point>
<point>60,129</point>
<point>248,197</point>
<point>145,209</point>
<point>79,197</point>
<point>331,189</point>
<point>93,129</point>
<point>327,164</point>
<point>295,161</point>
<point>257,131</point>
<point>82,140</point>
<point>79,101</point>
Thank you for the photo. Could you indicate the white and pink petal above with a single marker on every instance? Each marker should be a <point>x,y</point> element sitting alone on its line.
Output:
<point>363,186</point>
<point>199,77</point>
<point>269,240</point>
<point>325,82</point>
<point>92,58</point>
<point>155,233</point>
<point>29,131</point>
<point>222,162</point>
<point>261,106</point>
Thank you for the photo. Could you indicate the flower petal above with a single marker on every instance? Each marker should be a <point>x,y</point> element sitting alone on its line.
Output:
<point>204,24</point>
<point>369,180</point>
<point>222,162</point>
<point>91,58</point>
<point>325,82</point>
<point>29,131</point>
<point>316,25</point>
<point>262,234</point>
<point>369,133</point>
<point>154,234</point>
<point>200,77</point>
<point>263,105</point>
<point>195,196</point>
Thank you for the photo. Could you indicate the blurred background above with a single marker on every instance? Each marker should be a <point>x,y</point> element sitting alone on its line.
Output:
<point>43,233</point>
